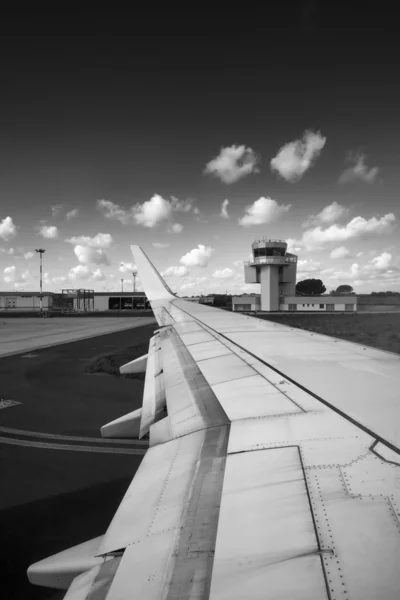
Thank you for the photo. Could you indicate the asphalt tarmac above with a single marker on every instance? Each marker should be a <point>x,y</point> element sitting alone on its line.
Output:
<point>59,484</point>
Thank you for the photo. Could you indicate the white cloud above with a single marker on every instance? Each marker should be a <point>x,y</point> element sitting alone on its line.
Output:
<point>79,272</point>
<point>150,213</point>
<point>181,205</point>
<point>224,273</point>
<point>59,279</point>
<point>49,232</point>
<point>175,228</point>
<point>263,210</point>
<point>153,211</point>
<point>238,263</point>
<point>224,209</point>
<point>98,275</point>
<point>359,170</point>
<point>339,252</point>
<point>7,229</point>
<point>29,255</point>
<point>9,251</point>
<point>13,275</point>
<point>331,213</point>
<point>293,245</point>
<point>383,261</point>
<point>101,240</point>
<point>198,257</point>
<point>87,255</point>
<point>112,211</point>
<point>175,271</point>
<point>127,267</point>
<point>294,158</point>
<point>233,163</point>
<point>71,214</point>
<point>306,266</point>
<point>160,245</point>
<point>359,254</point>
<point>347,275</point>
<point>356,228</point>
<point>56,209</point>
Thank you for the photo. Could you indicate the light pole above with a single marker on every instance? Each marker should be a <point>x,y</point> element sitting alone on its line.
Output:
<point>41,252</point>
<point>134,273</point>
<point>122,285</point>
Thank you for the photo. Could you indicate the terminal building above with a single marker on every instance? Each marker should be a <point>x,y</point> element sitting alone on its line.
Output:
<point>72,301</point>
<point>275,270</point>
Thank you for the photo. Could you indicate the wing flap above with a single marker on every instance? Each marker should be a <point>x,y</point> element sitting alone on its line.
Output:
<point>266,530</point>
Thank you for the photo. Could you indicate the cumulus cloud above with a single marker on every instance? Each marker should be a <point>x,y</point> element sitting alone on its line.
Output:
<point>7,229</point>
<point>198,257</point>
<point>353,273</point>
<point>181,205</point>
<point>382,261</point>
<point>153,211</point>
<point>233,163</point>
<point>293,245</point>
<point>71,214</point>
<point>29,255</point>
<point>127,267</point>
<point>263,210</point>
<point>16,276</point>
<point>150,213</point>
<point>238,263</point>
<point>224,209</point>
<point>358,170</point>
<point>175,271</point>
<point>101,240</point>
<point>56,209</point>
<point>79,272</point>
<point>9,251</point>
<point>224,273</point>
<point>87,255</point>
<point>339,252</point>
<point>98,275</point>
<point>49,232</point>
<point>112,211</point>
<point>330,214</point>
<point>378,270</point>
<point>60,279</point>
<point>295,158</point>
<point>160,245</point>
<point>175,228</point>
<point>356,228</point>
<point>306,266</point>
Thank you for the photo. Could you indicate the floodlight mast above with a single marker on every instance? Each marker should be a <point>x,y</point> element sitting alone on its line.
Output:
<point>41,251</point>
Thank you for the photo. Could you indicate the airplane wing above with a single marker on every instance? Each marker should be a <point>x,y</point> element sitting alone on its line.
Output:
<point>273,470</point>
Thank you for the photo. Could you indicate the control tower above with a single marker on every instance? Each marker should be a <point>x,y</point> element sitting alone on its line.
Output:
<point>275,269</point>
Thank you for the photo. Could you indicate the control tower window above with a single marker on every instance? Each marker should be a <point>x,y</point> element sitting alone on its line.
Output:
<point>269,252</point>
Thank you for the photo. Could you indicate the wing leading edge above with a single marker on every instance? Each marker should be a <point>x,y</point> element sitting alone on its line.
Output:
<point>256,484</point>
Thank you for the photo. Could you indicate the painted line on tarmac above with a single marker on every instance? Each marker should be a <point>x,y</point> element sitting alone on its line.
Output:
<point>76,448</point>
<point>73,438</point>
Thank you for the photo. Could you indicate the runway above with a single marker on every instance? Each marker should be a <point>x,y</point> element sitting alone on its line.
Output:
<point>60,481</point>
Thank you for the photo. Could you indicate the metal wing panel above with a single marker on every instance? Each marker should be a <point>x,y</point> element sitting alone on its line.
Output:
<point>191,403</point>
<point>157,493</point>
<point>333,369</point>
<point>154,392</point>
<point>266,533</point>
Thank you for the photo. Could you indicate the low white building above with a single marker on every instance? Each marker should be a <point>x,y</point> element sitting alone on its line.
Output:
<point>252,303</point>
<point>319,303</point>
<point>24,301</point>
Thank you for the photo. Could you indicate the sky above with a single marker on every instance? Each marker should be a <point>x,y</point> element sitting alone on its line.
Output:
<point>192,134</point>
